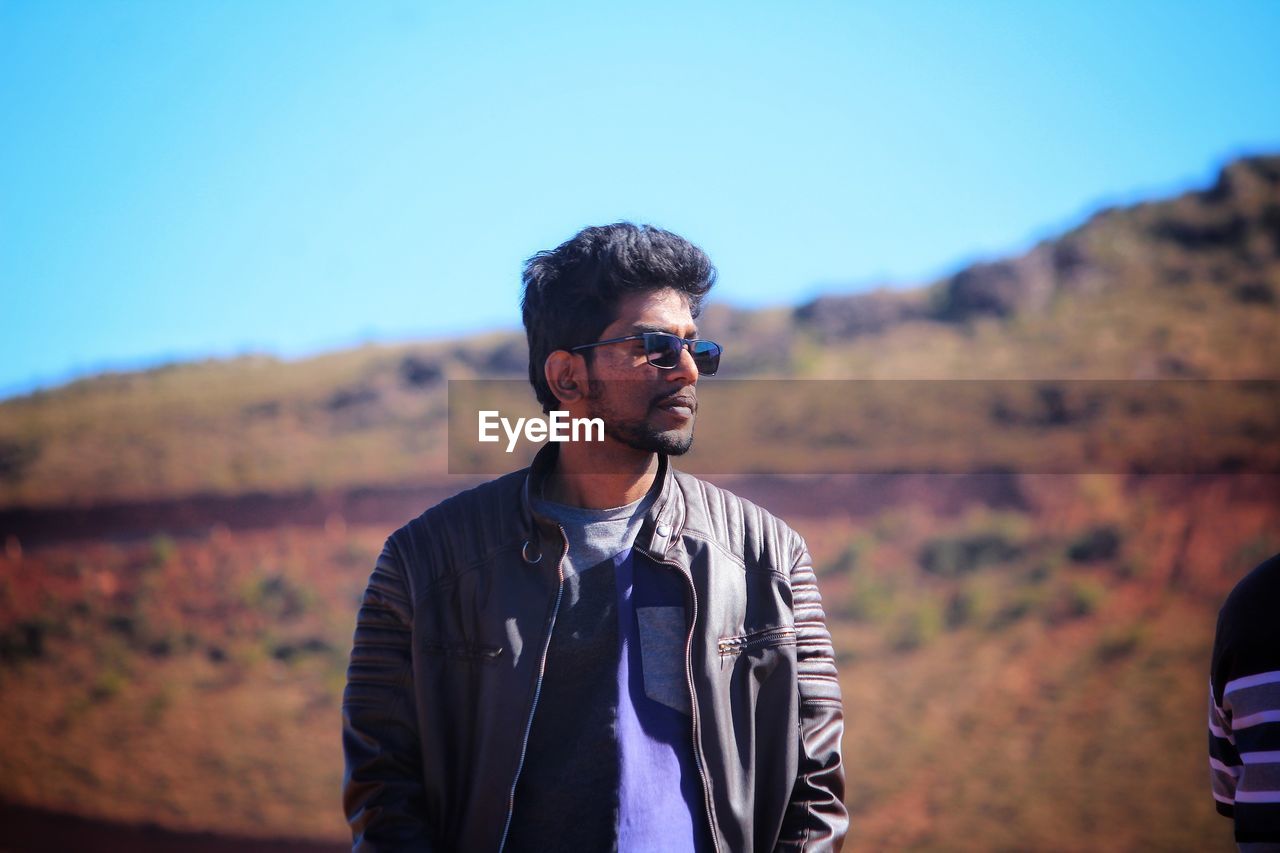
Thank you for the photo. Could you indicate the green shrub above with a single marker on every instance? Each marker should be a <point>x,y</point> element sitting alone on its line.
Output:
<point>1044,569</point>
<point>352,554</point>
<point>848,561</point>
<point>1077,599</point>
<point>162,645</point>
<point>970,604</point>
<point>163,550</point>
<point>24,641</point>
<point>1084,597</point>
<point>153,710</point>
<point>1119,642</point>
<point>916,626</point>
<point>276,596</point>
<point>127,625</point>
<point>870,600</point>
<point>1019,606</point>
<point>1095,545</point>
<point>1249,555</point>
<point>295,650</point>
<point>1132,569</point>
<point>954,556</point>
<point>108,685</point>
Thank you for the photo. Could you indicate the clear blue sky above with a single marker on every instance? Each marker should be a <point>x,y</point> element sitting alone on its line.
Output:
<point>181,179</point>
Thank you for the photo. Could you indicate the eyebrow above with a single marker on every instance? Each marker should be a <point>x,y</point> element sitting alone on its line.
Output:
<point>639,328</point>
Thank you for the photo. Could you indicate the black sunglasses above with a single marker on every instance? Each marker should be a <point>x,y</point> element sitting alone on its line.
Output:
<point>662,349</point>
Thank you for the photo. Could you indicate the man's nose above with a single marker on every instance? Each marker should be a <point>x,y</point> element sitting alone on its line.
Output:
<point>686,370</point>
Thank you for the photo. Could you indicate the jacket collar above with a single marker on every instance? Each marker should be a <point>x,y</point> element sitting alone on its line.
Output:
<point>662,523</point>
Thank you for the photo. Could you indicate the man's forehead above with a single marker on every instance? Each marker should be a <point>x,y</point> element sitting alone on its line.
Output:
<point>684,330</point>
<point>664,310</point>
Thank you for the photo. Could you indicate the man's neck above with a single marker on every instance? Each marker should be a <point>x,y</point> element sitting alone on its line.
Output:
<point>593,480</point>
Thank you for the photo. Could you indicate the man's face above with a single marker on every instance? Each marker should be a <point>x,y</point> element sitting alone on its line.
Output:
<point>642,406</point>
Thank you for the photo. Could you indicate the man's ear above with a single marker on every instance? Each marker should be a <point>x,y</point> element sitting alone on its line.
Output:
<point>566,375</point>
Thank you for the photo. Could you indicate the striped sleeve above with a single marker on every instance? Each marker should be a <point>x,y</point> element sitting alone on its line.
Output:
<point>1244,754</point>
<point>1224,761</point>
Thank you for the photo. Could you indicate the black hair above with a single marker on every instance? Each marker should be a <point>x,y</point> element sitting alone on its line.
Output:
<point>571,293</point>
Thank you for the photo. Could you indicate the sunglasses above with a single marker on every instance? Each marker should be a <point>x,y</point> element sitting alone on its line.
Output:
<point>662,350</point>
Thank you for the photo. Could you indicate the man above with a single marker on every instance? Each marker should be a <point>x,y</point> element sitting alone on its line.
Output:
<point>598,652</point>
<point>1244,709</point>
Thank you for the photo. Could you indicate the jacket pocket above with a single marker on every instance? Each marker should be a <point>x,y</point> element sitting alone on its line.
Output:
<point>662,642</point>
<point>762,639</point>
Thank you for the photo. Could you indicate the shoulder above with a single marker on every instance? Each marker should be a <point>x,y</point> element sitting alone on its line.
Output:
<point>460,531</point>
<point>1257,591</point>
<point>1251,606</point>
<point>1248,636</point>
<point>752,534</point>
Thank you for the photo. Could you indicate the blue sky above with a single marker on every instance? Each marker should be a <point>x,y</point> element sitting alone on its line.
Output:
<point>188,179</point>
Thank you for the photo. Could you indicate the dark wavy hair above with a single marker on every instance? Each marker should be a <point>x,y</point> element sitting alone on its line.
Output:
<point>571,293</point>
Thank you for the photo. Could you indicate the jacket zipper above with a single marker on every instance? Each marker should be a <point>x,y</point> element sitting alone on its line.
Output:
<point>537,689</point>
<point>735,645</point>
<point>693,704</point>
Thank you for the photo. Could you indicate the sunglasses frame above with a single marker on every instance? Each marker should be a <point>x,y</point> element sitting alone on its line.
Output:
<point>649,352</point>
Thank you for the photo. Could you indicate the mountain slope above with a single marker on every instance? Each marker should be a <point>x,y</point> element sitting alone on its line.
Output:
<point>1180,288</point>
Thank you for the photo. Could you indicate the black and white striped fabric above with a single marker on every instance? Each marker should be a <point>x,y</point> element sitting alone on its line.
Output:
<point>1244,706</point>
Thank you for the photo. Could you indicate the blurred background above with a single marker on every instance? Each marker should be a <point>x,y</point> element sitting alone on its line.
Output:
<point>244,248</point>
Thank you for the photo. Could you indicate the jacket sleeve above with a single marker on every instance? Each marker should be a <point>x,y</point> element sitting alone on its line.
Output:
<point>382,785</point>
<point>816,817</point>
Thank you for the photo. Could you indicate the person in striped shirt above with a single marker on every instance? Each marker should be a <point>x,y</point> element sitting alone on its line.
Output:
<point>1244,709</point>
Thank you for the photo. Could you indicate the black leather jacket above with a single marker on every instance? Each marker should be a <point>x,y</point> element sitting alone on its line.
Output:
<point>450,646</point>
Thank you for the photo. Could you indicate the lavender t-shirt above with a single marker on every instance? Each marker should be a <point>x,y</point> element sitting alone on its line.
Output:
<point>660,799</point>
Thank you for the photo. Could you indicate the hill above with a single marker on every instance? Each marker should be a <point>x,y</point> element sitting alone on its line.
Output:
<point>1183,288</point>
<point>1023,648</point>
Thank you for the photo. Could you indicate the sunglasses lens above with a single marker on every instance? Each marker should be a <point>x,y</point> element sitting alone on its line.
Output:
<point>663,350</point>
<point>706,355</point>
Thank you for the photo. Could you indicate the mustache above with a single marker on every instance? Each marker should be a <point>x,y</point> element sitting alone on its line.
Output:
<point>686,396</point>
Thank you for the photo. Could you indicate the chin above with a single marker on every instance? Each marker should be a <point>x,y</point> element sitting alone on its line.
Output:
<point>678,445</point>
<point>673,442</point>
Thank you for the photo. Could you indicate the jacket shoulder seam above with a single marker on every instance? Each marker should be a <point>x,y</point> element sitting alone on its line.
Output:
<point>758,523</point>
<point>427,537</point>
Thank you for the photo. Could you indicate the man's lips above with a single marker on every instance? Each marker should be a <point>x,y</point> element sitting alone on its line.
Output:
<point>679,404</point>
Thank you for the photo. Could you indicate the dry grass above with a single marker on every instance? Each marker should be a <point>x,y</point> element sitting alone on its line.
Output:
<point>1006,687</point>
<point>195,683</point>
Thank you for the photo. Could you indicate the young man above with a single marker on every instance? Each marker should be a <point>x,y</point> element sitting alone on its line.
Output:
<point>598,652</point>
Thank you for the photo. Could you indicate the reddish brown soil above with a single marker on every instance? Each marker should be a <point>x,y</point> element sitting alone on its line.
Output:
<point>28,830</point>
<point>857,495</point>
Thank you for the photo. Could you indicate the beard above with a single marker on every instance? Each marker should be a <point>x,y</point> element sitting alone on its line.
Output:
<point>636,433</point>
